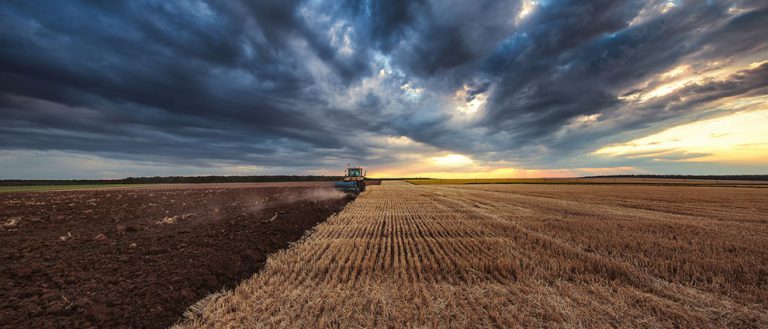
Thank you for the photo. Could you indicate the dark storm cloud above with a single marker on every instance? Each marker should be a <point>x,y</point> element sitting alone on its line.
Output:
<point>580,64</point>
<point>123,61</point>
<point>386,22</point>
<point>307,83</point>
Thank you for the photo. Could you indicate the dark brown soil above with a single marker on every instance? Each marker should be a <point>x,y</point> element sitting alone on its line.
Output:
<point>139,258</point>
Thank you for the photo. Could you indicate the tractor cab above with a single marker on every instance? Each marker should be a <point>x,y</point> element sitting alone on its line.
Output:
<point>354,172</point>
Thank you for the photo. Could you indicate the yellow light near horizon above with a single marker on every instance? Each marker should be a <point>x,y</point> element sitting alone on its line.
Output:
<point>491,172</point>
<point>452,160</point>
<point>739,138</point>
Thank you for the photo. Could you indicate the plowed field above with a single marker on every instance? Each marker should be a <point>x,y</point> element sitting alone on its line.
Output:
<point>517,256</point>
<point>137,258</point>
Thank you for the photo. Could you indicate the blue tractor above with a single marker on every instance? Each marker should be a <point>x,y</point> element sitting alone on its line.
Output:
<point>354,181</point>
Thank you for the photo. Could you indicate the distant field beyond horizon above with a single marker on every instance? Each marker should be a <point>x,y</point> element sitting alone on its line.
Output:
<point>165,186</point>
<point>588,180</point>
<point>37,188</point>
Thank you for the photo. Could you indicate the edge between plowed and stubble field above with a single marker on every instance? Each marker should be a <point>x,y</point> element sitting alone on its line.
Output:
<point>513,256</point>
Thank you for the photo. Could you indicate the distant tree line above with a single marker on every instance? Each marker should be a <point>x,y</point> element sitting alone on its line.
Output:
<point>714,177</point>
<point>167,180</point>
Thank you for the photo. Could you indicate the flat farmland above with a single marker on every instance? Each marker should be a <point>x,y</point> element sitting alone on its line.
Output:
<point>462,256</point>
<point>138,256</point>
<point>596,180</point>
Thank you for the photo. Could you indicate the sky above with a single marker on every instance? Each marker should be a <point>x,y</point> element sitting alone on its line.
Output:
<point>445,89</point>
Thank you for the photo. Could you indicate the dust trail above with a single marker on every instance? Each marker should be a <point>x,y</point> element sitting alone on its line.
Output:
<point>317,195</point>
<point>294,196</point>
<point>215,205</point>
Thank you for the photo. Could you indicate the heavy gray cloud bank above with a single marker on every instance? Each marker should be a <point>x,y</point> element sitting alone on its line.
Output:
<point>295,86</point>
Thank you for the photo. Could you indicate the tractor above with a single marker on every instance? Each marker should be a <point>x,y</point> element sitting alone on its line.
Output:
<point>354,181</point>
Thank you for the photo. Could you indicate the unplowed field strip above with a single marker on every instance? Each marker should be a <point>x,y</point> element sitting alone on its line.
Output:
<point>518,256</point>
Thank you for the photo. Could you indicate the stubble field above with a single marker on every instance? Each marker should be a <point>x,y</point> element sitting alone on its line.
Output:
<point>517,256</point>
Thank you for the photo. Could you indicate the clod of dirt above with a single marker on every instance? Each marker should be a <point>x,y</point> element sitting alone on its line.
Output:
<point>22,272</point>
<point>66,237</point>
<point>81,302</point>
<point>11,223</point>
<point>132,246</point>
<point>56,307</point>
<point>120,228</point>
<point>168,220</point>
<point>186,293</point>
